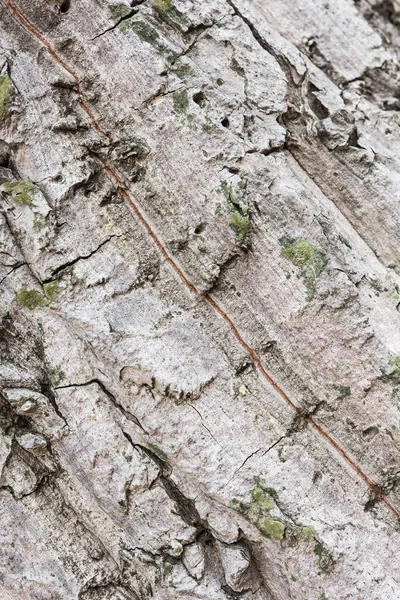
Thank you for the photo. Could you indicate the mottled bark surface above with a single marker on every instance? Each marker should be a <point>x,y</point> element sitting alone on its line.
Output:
<point>199,282</point>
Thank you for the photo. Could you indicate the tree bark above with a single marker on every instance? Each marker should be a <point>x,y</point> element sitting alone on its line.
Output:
<point>199,267</point>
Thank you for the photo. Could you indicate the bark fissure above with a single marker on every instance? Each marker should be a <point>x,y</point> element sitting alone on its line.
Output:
<point>127,414</point>
<point>113,175</point>
<point>252,280</point>
<point>131,14</point>
<point>72,262</point>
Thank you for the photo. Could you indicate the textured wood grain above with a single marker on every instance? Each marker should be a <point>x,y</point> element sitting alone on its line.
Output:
<point>199,279</point>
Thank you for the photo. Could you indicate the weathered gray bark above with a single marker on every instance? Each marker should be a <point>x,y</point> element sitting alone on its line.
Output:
<point>199,266</point>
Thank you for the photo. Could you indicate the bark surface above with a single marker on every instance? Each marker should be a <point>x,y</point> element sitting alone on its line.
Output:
<point>199,300</point>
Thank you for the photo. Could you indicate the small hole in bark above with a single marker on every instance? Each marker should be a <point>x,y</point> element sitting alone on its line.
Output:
<point>225,122</point>
<point>65,6</point>
<point>199,229</point>
<point>370,504</point>
<point>199,98</point>
<point>370,433</point>
<point>317,477</point>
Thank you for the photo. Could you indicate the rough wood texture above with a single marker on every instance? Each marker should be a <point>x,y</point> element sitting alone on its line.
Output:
<point>199,266</point>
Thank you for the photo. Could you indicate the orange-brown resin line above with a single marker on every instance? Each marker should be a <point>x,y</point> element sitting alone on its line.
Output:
<point>207,296</point>
<point>25,23</point>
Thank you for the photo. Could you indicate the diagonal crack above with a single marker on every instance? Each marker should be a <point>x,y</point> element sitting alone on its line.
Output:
<point>253,454</point>
<point>129,416</point>
<point>18,266</point>
<point>131,14</point>
<point>203,424</point>
<point>75,260</point>
<point>186,507</point>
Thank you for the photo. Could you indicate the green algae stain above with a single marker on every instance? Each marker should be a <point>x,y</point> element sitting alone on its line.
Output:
<point>310,260</point>
<point>324,558</point>
<point>169,13</point>
<point>158,452</point>
<point>163,5</point>
<point>30,298</point>
<point>147,33</point>
<point>241,226</point>
<point>305,532</point>
<point>393,372</point>
<point>119,11</point>
<point>6,88</point>
<point>272,528</point>
<point>257,511</point>
<point>21,192</point>
<point>181,101</point>
<point>342,391</point>
<point>57,375</point>
<point>238,211</point>
<point>39,223</point>
<point>51,290</point>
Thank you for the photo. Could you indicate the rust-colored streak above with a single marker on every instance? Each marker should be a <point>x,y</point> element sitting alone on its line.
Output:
<point>374,488</point>
<point>29,27</point>
<point>149,228</point>
<point>254,356</point>
<point>207,296</point>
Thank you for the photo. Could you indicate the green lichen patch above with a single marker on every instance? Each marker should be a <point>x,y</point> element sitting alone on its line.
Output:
<point>272,528</point>
<point>30,298</point>
<point>376,284</point>
<point>120,11</point>
<point>181,101</point>
<point>305,532</point>
<point>324,558</point>
<point>51,290</point>
<point>176,65</point>
<point>310,260</point>
<point>238,211</point>
<point>342,391</point>
<point>241,226</point>
<point>169,13</point>
<point>57,375</point>
<point>39,223</point>
<point>257,511</point>
<point>158,452</point>
<point>6,88</point>
<point>21,192</point>
<point>393,371</point>
<point>148,34</point>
